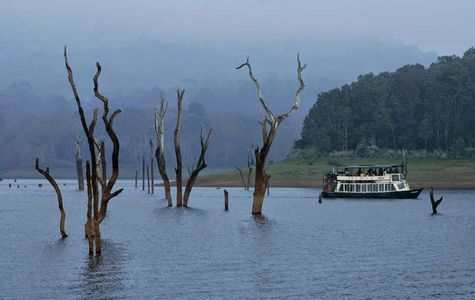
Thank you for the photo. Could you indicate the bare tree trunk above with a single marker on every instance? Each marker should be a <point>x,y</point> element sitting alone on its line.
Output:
<point>79,166</point>
<point>176,140</point>
<point>89,223</point>
<point>58,194</point>
<point>226,200</point>
<point>160,150</point>
<point>244,184</point>
<point>200,165</point>
<point>433,202</point>
<point>143,173</point>
<point>148,180</point>
<point>268,136</point>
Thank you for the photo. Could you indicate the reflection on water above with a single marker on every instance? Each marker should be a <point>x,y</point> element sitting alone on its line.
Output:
<point>299,249</point>
<point>102,276</point>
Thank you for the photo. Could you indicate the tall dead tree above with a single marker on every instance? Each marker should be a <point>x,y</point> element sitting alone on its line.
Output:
<point>269,126</point>
<point>143,172</point>
<point>79,165</point>
<point>148,180</point>
<point>200,165</point>
<point>176,142</point>
<point>434,202</point>
<point>99,208</point>
<point>48,177</point>
<point>151,165</point>
<point>160,150</point>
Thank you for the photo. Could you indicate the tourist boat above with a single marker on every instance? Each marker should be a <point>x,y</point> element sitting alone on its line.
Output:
<point>377,181</point>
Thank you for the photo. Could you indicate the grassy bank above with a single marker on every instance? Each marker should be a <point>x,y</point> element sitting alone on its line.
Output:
<point>298,173</point>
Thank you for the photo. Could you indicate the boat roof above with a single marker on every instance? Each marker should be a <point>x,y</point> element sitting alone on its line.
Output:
<point>369,166</point>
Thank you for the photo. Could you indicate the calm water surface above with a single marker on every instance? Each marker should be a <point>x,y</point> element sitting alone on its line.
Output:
<point>300,249</point>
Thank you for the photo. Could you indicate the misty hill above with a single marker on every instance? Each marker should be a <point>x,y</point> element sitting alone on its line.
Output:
<point>413,108</point>
<point>38,115</point>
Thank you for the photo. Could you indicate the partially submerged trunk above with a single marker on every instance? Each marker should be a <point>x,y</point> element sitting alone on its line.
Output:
<point>272,121</point>
<point>160,150</point>
<point>226,200</point>
<point>176,142</point>
<point>151,166</point>
<point>50,179</point>
<point>200,165</point>
<point>434,202</point>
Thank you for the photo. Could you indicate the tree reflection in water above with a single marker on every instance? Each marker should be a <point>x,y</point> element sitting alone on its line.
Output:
<point>103,276</point>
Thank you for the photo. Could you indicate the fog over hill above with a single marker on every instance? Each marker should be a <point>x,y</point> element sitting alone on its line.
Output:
<point>150,46</point>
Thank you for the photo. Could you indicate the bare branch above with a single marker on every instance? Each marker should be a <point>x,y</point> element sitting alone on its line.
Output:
<point>258,88</point>
<point>58,194</point>
<point>296,104</point>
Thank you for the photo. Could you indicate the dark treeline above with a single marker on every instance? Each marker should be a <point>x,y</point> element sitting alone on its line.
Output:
<point>412,108</point>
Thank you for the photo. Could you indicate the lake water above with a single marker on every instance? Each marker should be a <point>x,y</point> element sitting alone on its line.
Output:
<point>299,250</point>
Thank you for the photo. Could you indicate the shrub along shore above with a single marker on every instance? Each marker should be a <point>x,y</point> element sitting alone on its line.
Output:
<point>439,173</point>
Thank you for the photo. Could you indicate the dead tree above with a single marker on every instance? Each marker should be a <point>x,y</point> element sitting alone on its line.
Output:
<point>433,202</point>
<point>99,212</point>
<point>143,172</point>
<point>79,166</point>
<point>250,164</point>
<point>200,165</point>
<point>267,182</point>
<point>148,180</point>
<point>160,150</point>
<point>244,183</point>
<point>226,200</point>
<point>269,126</point>
<point>48,177</point>
<point>151,165</point>
<point>176,142</point>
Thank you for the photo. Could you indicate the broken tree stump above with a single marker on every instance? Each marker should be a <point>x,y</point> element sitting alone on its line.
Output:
<point>226,200</point>
<point>433,202</point>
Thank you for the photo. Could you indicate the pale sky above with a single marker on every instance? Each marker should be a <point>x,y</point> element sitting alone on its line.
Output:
<point>443,26</point>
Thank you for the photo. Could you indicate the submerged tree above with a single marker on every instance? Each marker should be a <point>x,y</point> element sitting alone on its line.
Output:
<point>48,177</point>
<point>99,209</point>
<point>160,150</point>
<point>200,165</point>
<point>434,202</point>
<point>269,126</point>
<point>176,142</point>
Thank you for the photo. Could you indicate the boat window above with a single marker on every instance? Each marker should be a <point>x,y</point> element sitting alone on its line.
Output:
<point>401,185</point>
<point>363,188</point>
<point>395,177</point>
<point>340,188</point>
<point>352,187</point>
<point>375,187</point>
<point>358,187</point>
<point>370,187</point>
<point>393,188</point>
<point>381,187</point>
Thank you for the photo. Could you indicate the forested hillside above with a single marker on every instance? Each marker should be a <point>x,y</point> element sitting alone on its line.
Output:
<point>413,108</point>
